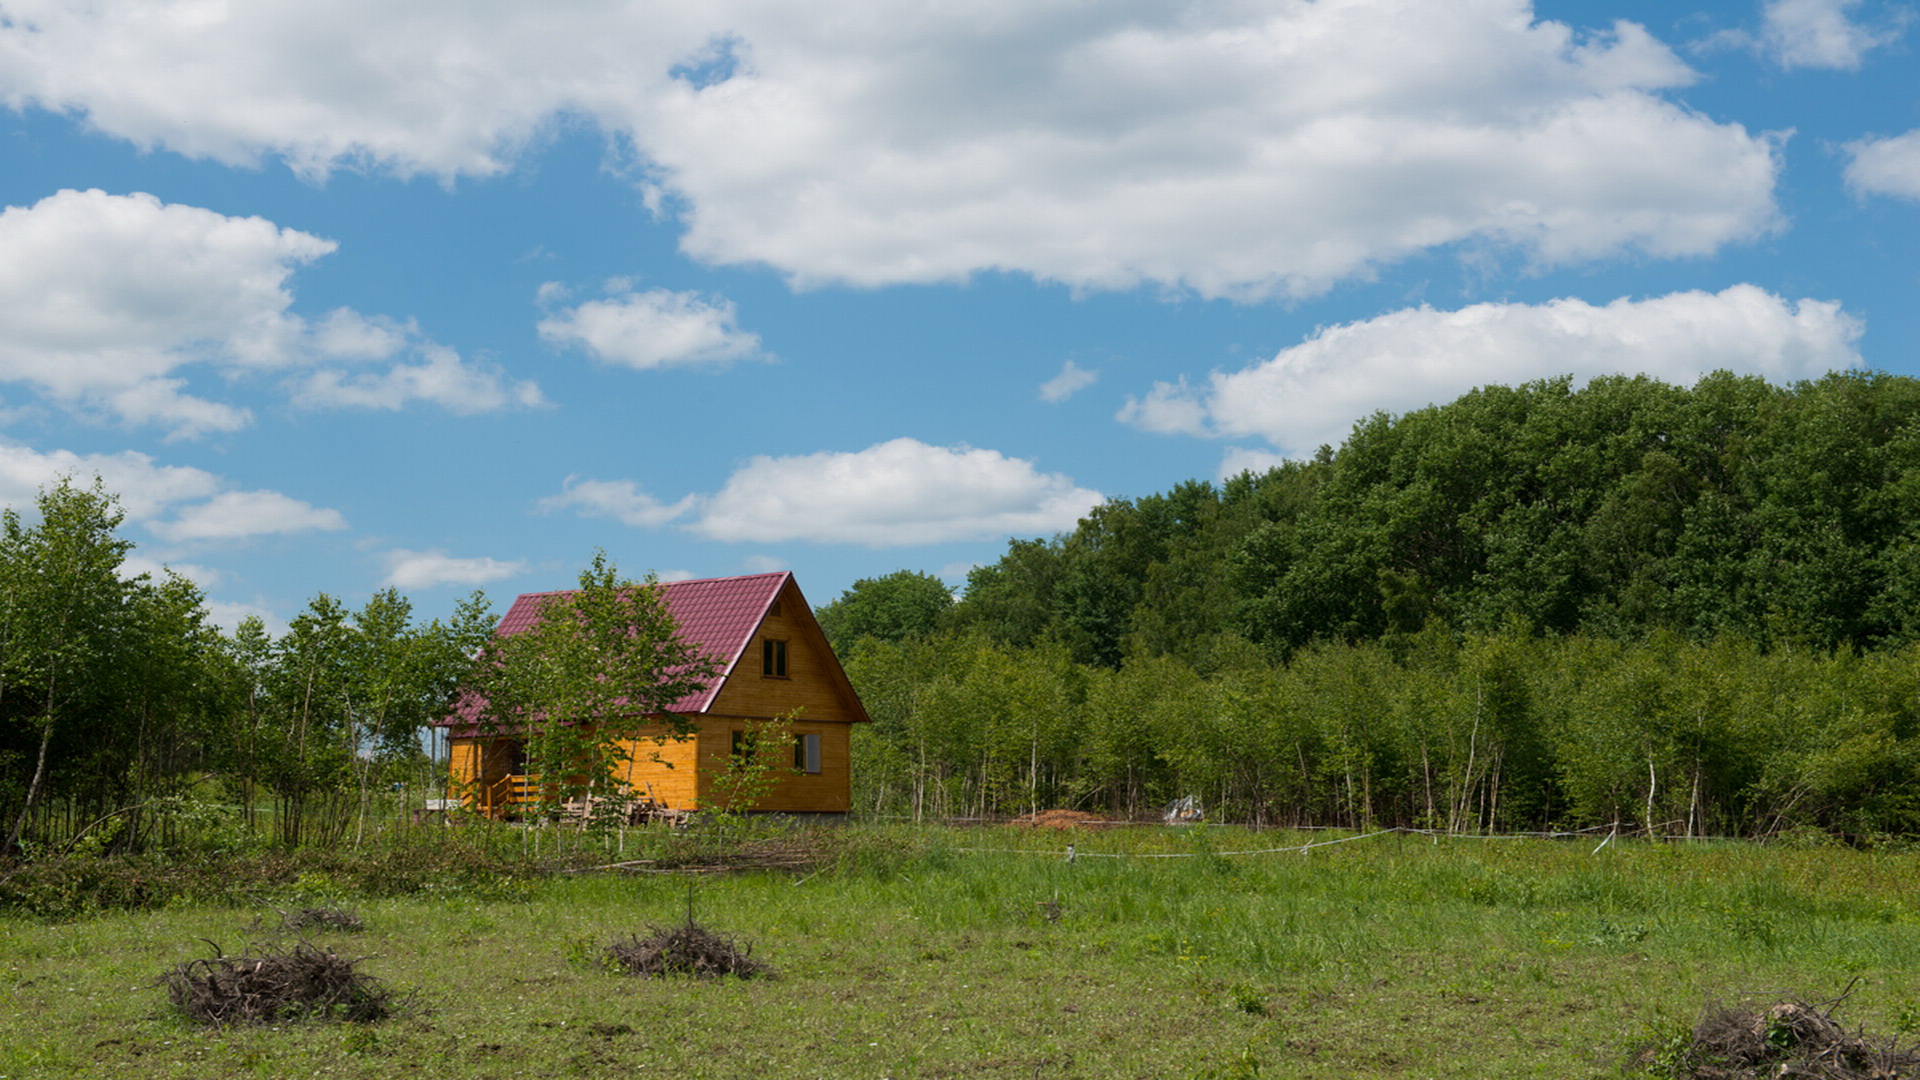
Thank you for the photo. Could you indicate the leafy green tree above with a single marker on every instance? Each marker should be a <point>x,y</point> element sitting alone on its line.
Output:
<point>598,670</point>
<point>903,604</point>
<point>62,605</point>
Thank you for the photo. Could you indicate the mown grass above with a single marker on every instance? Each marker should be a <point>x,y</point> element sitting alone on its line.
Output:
<point>983,953</point>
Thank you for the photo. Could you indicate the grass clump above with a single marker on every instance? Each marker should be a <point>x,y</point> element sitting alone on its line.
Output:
<point>300,983</point>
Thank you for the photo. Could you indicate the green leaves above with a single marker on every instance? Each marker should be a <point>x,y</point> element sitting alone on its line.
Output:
<point>599,669</point>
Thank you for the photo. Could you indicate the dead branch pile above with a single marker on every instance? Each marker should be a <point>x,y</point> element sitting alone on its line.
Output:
<point>326,918</point>
<point>1786,1039</point>
<point>1058,819</point>
<point>686,949</point>
<point>303,982</point>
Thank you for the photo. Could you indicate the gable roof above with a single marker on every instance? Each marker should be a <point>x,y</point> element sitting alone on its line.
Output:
<point>719,615</point>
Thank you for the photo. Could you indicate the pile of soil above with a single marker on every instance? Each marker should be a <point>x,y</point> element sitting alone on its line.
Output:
<point>1785,1039</point>
<point>686,949</point>
<point>300,983</point>
<point>1059,819</point>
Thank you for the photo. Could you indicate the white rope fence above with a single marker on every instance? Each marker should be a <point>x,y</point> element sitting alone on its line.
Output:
<point>1071,854</point>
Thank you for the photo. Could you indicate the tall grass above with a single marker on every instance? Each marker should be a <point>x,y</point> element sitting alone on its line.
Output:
<point>933,952</point>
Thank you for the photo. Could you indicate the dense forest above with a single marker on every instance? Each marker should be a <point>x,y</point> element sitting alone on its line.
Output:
<point>1687,608</point>
<point>1690,610</point>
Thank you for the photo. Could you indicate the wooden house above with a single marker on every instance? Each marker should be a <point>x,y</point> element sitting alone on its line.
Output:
<point>773,660</point>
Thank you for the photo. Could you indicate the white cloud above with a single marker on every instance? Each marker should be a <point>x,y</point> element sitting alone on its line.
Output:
<point>892,494</point>
<point>205,577</point>
<point>1886,166</point>
<point>616,499</point>
<point>103,296</point>
<point>104,299</point>
<point>1239,459</point>
<point>348,335</point>
<point>173,502</point>
<point>1312,393</point>
<point>1817,34</point>
<point>1229,149</point>
<point>443,379</point>
<point>427,569</point>
<point>1169,409</point>
<point>1071,380</point>
<point>145,489</point>
<point>763,564</point>
<point>675,575</point>
<point>654,329</point>
<point>236,515</point>
<point>228,615</point>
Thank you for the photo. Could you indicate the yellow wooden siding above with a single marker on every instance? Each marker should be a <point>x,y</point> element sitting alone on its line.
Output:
<point>679,774</point>
<point>808,684</point>
<point>829,791</point>
<point>662,771</point>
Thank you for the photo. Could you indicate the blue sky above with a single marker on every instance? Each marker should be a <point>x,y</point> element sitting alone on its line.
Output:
<point>444,295</point>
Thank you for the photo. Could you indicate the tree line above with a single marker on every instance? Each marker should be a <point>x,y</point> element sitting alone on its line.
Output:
<point>124,712</point>
<point>1532,606</point>
<point>1682,608</point>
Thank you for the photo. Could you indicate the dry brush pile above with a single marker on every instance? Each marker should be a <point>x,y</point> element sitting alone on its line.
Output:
<point>1790,1038</point>
<point>303,982</point>
<point>686,949</point>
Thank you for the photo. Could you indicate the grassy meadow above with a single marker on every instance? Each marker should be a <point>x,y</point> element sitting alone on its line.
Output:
<point>984,953</point>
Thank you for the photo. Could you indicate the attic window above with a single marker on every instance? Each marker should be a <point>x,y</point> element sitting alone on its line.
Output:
<point>773,609</point>
<point>773,658</point>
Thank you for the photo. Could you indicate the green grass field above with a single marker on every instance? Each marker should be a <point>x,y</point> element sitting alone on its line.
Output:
<point>912,956</point>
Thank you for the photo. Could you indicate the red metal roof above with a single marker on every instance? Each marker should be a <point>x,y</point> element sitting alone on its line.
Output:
<point>718,614</point>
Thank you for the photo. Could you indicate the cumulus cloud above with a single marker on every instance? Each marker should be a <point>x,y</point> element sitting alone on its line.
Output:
<point>1312,393</point>
<point>103,296</point>
<point>228,615</point>
<point>1886,166</point>
<point>174,502</point>
<point>205,577</point>
<point>1071,380</point>
<point>1232,150</point>
<point>106,299</point>
<point>653,329</point>
<point>145,489</point>
<point>1239,459</point>
<point>442,379</point>
<point>892,494</point>
<point>616,499</point>
<point>238,515</point>
<point>428,569</point>
<point>1817,34</point>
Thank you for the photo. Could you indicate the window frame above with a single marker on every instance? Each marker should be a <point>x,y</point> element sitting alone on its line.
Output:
<point>773,658</point>
<point>806,753</point>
